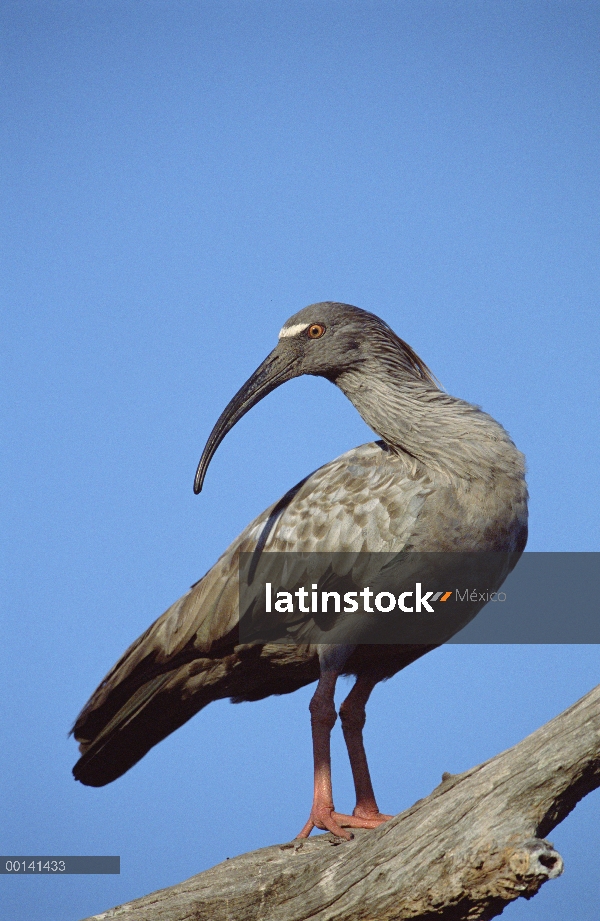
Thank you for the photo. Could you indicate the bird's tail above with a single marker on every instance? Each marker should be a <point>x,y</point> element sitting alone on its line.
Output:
<point>117,732</point>
<point>155,710</point>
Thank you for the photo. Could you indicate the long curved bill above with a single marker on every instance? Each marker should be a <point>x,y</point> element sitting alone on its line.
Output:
<point>275,370</point>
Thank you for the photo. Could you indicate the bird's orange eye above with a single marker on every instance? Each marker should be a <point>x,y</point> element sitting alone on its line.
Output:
<point>315,331</point>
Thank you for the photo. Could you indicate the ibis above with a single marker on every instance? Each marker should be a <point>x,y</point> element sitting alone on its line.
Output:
<point>443,476</point>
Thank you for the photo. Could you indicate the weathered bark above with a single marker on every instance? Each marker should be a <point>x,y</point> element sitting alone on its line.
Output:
<point>465,851</point>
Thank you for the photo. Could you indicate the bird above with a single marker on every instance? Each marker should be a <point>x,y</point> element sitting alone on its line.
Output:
<point>442,476</point>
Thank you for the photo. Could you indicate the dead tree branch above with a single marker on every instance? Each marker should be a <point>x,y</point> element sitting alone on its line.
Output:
<point>465,851</point>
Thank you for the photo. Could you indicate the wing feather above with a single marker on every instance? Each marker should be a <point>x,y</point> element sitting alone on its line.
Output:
<point>367,498</point>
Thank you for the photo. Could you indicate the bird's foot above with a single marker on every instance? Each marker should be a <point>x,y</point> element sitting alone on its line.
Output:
<point>327,819</point>
<point>373,816</point>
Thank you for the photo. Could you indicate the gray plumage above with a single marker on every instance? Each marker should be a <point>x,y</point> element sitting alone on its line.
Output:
<point>445,476</point>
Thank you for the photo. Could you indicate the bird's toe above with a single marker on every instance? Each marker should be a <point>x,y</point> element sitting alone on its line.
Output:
<point>374,818</point>
<point>327,819</point>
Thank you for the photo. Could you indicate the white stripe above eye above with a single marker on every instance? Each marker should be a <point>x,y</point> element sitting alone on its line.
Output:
<point>293,330</point>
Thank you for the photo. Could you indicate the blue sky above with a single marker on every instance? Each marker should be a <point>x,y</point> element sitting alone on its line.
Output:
<point>177,179</point>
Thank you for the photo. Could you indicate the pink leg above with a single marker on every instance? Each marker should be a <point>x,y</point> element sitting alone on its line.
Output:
<point>353,716</point>
<point>323,814</point>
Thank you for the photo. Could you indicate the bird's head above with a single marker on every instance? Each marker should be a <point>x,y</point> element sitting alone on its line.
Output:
<point>326,340</point>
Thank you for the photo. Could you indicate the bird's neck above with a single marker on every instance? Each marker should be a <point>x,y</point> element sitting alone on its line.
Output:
<point>441,432</point>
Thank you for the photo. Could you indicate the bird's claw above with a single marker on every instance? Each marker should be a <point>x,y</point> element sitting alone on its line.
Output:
<point>327,819</point>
